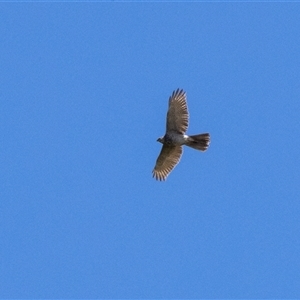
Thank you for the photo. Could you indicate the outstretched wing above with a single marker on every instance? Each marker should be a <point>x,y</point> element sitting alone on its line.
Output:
<point>166,161</point>
<point>177,116</point>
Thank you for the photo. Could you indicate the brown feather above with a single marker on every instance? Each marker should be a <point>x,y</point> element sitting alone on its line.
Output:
<point>168,158</point>
<point>178,116</point>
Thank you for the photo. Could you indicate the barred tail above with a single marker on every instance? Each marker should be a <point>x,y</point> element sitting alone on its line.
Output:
<point>199,141</point>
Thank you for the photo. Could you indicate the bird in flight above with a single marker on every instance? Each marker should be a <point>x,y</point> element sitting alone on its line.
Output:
<point>175,137</point>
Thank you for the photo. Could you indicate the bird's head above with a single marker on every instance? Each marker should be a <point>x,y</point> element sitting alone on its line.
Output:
<point>160,139</point>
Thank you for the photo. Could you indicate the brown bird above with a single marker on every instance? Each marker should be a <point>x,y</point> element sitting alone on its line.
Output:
<point>175,137</point>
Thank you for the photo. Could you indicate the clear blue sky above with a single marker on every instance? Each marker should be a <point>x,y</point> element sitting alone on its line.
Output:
<point>83,98</point>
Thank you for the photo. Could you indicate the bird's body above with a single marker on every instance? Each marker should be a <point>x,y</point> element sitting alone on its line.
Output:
<point>175,137</point>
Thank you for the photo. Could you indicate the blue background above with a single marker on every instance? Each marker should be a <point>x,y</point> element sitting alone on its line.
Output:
<point>83,98</point>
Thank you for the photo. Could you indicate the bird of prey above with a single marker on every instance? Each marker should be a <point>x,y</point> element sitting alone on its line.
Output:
<point>175,137</point>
